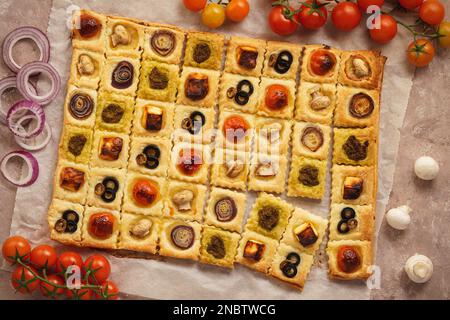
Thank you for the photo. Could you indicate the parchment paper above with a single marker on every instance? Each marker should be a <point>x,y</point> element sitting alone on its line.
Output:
<point>166,278</point>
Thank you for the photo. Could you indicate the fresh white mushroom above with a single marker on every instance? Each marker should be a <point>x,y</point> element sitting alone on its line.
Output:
<point>120,35</point>
<point>360,68</point>
<point>267,168</point>
<point>141,228</point>
<point>319,101</point>
<point>183,200</point>
<point>426,168</point>
<point>419,268</point>
<point>398,218</point>
<point>271,132</point>
<point>234,168</point>
<point>85,65</point>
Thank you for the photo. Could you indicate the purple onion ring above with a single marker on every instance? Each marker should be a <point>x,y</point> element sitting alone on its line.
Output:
<point>5,84</point>
<point>13,118</point>
<point>32,166</point>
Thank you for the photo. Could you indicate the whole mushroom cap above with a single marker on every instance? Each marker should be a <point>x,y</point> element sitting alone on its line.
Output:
<point>426,168</point>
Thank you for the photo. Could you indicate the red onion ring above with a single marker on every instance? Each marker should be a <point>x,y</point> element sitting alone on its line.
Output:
<point>32,68</point>
<point>5,84</point>
<point>25,106</point>
<point>30,143</point>
<point>18,34</point>
<point>32,166</point>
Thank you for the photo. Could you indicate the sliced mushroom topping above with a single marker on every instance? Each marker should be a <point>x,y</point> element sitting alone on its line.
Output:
<point>163,42</point>
<point>247,57</point>
<point>152,118</point>
<point>183,200</point>
<point>142,228</point>
<point>360,68</point>
<point>113,113</point>
<point>120,35</point>
<point>89,26</point>
<point>110,148</point>
<point>309,176</point>
<point>122,76</point>
<point>85,65</point>
<point>354,149</point>
<point>289,270</point>
<point>306,234</point>
<point>312,138</point>
<point>268,217</point>
<point>81,106</point>
<point>158,79</point>
<point>216,247</point>
<point>254,250</point>
<point>183,237</point>
<point>60,225</point>
<point>71,179</point>
<point>76,144</point>
<point>361,105</point>
<point>271,132</point>
<point>196,86</point>
<point>234,168</point>
<point>201,53</point>
<point>353,187</point>
<point>225,209</point>
<point>267,168</point>
<point>348,259</point>
<point>319,101</point>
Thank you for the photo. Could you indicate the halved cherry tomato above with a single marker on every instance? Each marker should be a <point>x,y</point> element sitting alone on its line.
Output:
<point>364,4</point>
<point>432,12</point>
<point>43,257</point>
<point>420,52</point>
<point>49,290</point>
<point>387,30</point>
<point>312,14</point>
<point>101,225</point>
<point>277,96</point>
<point>194,5</point>
<point>67,259</point>
<point>444,32</point>
<point>410,4</point>
<point>144,192</point>
<point>234,128</point>
<point>23,280</point>
<point>98,268</point>
<point>16,247</point>
<point>346,16</point>
<point>282,20</point>
<point>213,16</point>
<point>109,291</point>
<point>189,161</point>
<point>237,10</point>
<point>80,294</point>
<point>348,259</point>
<point>322,62</point>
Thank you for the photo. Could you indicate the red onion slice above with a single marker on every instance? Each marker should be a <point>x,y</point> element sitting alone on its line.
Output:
<point>15,115</point>
<point>32,168</point>
<point>38,67</point>
<point>38,142</point>
<point>15,36</point>
<point>6,84</point>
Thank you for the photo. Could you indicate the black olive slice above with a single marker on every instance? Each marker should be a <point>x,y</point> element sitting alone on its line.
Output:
<point>122,76</point>
<point>163,42</point>
<point>109,195</point>
<point>71,215</point>
<point>241,98</point>
<point>352,223</point>
<point>245,86</point>
<point>293,258</point>
<point>225,209</point>
<point>99,189</point>
<point>60,225</point>
<point>183,237</point>
<point>348,213</point>
<point>152,163</point>
<point>231,92</point>
<point>111,183</point>
<point>361,105</point>
<point>71,227</point>
<point>342,227</point>
<point>152,151</point>
<point>198,120</point>
<point>288,269</point>
<point>283,62</point>
<point>81,106</point>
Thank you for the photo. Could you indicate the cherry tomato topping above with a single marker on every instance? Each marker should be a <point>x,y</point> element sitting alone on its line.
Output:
<point>101,225</point>
<point>322,62</point>
<point>234,128</point>
<point>277,96</point>
<point>190,161</point>
<point>144,192</point>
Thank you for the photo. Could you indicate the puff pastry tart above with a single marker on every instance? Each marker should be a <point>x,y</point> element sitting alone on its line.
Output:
<point>219,247</point>
<point>100,228</point>
<point>158,81</point>
<point>204,50</point>
<point>282,60</point>
<point>80,107</point>
<point>71,181</point>
<point>76,144</point>
<point>88,30</point>
<point>180,239</point>
<point>106,187</point>
<point>139,233</point>
<point>355,146</point>
<point>230,168</point>
<point>153,119</point>
<point>185,200</point>
<point>235,131</point>
<point>239,92</point>
<point>277,98</point>
<point>351,222</point>
<point>353,185</point>
<point>245,56</point>
<point>64,221</point>
<point>150,156</point>
<point>198,87</point>
<point>307,178</point>
<point>320,64</point>
<point>267,173</point>
<point>120,75</point>
<point>190,162</point>
<point>311,140</point>
<point>194,124</point>
<point>272,135</point>
<point>86,68</point>
<point>110,149</point>
<point>163,44</point>
<point>114,112</point>
<point>123,38</point>
<point>315,102</point>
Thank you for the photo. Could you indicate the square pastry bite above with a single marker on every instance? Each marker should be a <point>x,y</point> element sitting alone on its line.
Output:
<point>158,81</point>
<point>272,135</point>
<point>349,259</point>
<point>355,146</point>
<point>267,173</point>
<point>64,221</point>
<point>106,187</point>
<point>185,200</point>
<point>356,107</point>
<point>144,194</point>
<point>307,178</point>
<point>362,69</point>
<point>282,60</point>
<point>204,50</point>
<point>305,231</point>
<point>71,181</point>
<point>235,130</point>
<point>353,185</point>
<point>194,124</point>
<point>121,75</point>
<point>230,168</point>
<point>114,112</point>
<point>276,98</point>
<point>110,149</point>
<point>245,56</point>
<point>219,247</point>
<point>238,92</point>
<point>100,228</point>
<point>124,38</point>
<point>198,87</point>
<point>320,64</point>
<point>351,222</point>
<point>76,144</point>
<point>88,30</point>
<point>153,119</point>
<point>315,102</point>
<point>311,140</point>
<point>269,216</point>
<point>291,266</point>
<point>80,107</point>
<point>86,68</point>
<point>139,233</point>
<point>256,251</point>
<point>190,162</point>
<point>163,44</point>
<point>150,156</point>
<point>180,239</point>
<point>226,209</point>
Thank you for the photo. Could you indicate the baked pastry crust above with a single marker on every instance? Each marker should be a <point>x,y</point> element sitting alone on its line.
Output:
<point>240,200</point>
<point>202,151</point>
<point>167,248</point>
<point>264,129</point>
<point>283,208</point>
<point>219,169</point>
<point>231,63</point>
<point>90,81</point>
<point>105,99</point>
<point>362,136</point>
<point>299,149</point>
<point>156,208</point>
<point>216,44</point>
<point>365,215</point>
<point>167,94</point>
<point>78,196</point>
<point>204,135</point>
<point>55,211</point>
<point>121,162</point>
<point>108,69</point>
<point>135,32</point>
<point>174,56</point>
<point>299,217</point>
<point>90,241</point>
<point>229,80</point>
<point>303,109</point>
<point>367,174</point>
<point>308,75</point>
<point>210,99</point>
<point>274,48</point>
<point>285,112</point>
<point>197,203</point>
<point>242,144</point>
<point>342,115</point>
<point>167,110</point>
<point>264,263</point>
<point>129,242</point>
<point>230,240</point>
<point>275,184</point>
<point>298,189</point>
<point>138,145</point>
<point>87,122</point>
<point>306,262</point>
<point>69,132</point>
<point>96,176</point>
<point>96,43</point>
<point>365,251</point>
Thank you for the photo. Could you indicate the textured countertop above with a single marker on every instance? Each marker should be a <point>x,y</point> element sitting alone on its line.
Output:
<point>426,131</point>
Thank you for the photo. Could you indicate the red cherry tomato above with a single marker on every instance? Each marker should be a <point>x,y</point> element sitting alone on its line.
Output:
<point>346,16</point>
<point>49,290</point>
<point>387,30</point>
<point>194,5</point>
<point>313,14</point>
<point>410,4</point>
<point>16,246</point>
<point>22,280</point>
<point>420,52</point>
<point>109,291</point>
<point>282,21</point>
<point>43,257</point>
<point>234,128</point>
<point>67,259</point>
<point>432,12</point>
<point>364,4</point>
<point>101,225</point>
<point>277,96</point>
<point>322,62</point>
<point>237,10</point>
<point>144,192</point>
<point>98,267</point>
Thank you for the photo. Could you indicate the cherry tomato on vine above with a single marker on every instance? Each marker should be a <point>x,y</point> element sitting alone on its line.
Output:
<point>43,256</point>
<point>364,4</point>
<point>410,4</point>
<point>99,268</point>
<point>387,30</point>
<point>109,291</point>
<point>420,52</point>
<point>80,294</point>
<point>16,246</point>
<point>194,5</point>
<point>237,10</point>
<point>346,16</point>
<point>49,290</point>
<point>213,16</point>
<point>282,20</point>
<point>23,280</point>
<point>444,32</point>
<point>312,14</point>
<point>432,12</point>
<point>67,259</point>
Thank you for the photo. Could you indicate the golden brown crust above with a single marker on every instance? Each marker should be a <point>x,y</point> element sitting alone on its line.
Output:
<point>304,110</point>
<point>110,65</point>
<point>297,188</point>
<point>91,80</point>
<point>269,183</point>
<point>204,134</point>
<point>223,160</point>
<point>214,41</point>
<point>175,55</point>
<point>230,81</point>
<point>300,149</point>
<point>197,204</point>
<point>167,110</point>
<point>202,153</point>
<point>96,43</point>
<point>138,144</point>
<point>135,33</point>
<point>55,212</point>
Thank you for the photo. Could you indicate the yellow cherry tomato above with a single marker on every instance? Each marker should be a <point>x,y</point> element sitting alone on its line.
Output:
<point>237,10</point>
<point>444,32</point>
<point>213,16</point>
